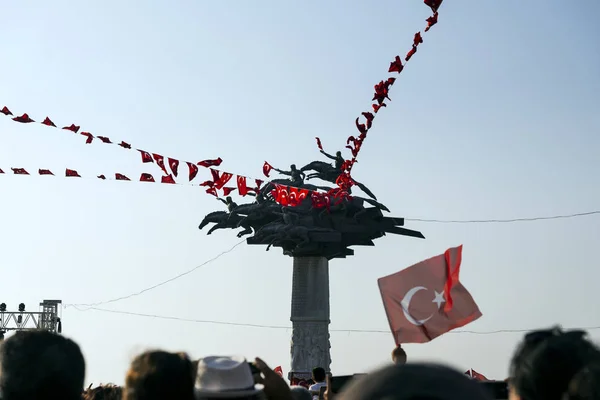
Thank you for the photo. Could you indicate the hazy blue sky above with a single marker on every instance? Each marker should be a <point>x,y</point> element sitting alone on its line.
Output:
<point>497,116</point>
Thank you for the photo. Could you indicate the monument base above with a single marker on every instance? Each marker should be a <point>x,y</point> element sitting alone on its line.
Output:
<point>310,347</point>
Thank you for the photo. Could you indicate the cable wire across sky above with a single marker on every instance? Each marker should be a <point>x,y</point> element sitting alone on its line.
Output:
<point>160,283</point>
<point>504,221</point>
<point>439,221</point>
<point>281,327</point>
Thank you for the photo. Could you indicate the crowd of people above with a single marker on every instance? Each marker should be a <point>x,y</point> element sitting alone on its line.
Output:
<point>547,365</point>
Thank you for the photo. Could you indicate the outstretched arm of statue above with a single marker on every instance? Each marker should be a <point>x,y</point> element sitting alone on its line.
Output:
<point>327,155</point>
<point>283,172</point>
<point>221,200</point>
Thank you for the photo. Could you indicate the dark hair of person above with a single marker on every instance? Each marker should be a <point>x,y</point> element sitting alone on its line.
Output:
<point>415,382</point>
<point>319,374</point>
<point>252,397</point>
<point>104,392</point>
<point>585,384</point>
<point>547,360</point>
<point>160,375</point>
<point>41,365</point>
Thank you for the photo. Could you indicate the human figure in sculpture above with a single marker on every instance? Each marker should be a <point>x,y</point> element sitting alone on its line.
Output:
<point>231,205</point>
<point>288,217</point>
<point>339,160</point>
<point>296,176</point>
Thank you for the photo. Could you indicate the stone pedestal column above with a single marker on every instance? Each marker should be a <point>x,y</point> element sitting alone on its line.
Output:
<point>310,316</point>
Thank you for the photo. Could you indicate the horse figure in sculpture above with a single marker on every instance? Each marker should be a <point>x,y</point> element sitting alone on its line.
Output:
<point>222,220</point>
<point>329,173</point>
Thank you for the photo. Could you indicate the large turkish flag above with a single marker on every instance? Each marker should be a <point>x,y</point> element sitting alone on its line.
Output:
<point>427,299</point>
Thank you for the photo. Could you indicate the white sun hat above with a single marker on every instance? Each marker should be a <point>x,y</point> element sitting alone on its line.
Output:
<point>225,377</point>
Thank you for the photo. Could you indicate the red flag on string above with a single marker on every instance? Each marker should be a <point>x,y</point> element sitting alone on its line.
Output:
<point>396,65</point>
<point>19,171</point>
<point>215,175</point>
<point>362,128</point>
<point>227,190</point>
<point>1,172</point>
<point>210,163</point>
<point>411,53</point>
<point>376,107</point>
<point>6,111</point>
<point>427,300</point>
<point>146,177</point>
<point>121,177</point>
<point>192,169</point>
<point>45,172</point>
<point>369,117</point>
<point>220,180</point>
<point>89,137</point>
<point>24,119</point>
<point>48,122</point>
<point>72,128</point>
<point>434,4</point>
<point>278,370</point>
<point>125,145</point>
<point>104,139</point>
<point>418,39</point>
<point>267,169</point>
<point>213,191</point>
<point>167,179</point>
<point>241,184</point>
<point>101,177</point>
<point>72,173</point>
<point>146,157</point>
<point>160,161</point>
<point>431,21</point>
<point>174,165</point>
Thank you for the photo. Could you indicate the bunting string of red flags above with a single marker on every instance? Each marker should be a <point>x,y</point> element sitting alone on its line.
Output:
<point>72,173</point>
<point>225,182</point>
<point>285,195</point>
<point>147,157</point>
<point>381,95</point>
<point>291,196</point>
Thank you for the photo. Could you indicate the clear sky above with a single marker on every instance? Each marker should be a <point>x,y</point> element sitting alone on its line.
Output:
<point>497,116</point>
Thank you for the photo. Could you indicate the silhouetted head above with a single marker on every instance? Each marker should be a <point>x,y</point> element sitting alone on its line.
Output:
<point>160,375</point>
<point>414,381</point>
<point>338,154</point>
<point>228,199</point>
<point>399,356</point>
<point>300,393</point>
<point>319,375</point>
<point>546,361</point>
<point>104,392</point>
<point>41,365</point>
<point>293,167</point>
<point>585,384</point>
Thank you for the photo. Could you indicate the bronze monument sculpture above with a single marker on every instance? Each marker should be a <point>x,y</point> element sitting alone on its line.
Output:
<point>313,225</point>
<point>305,230</point>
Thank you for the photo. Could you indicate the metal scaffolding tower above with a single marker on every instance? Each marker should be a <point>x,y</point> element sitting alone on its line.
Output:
<point>47,318</point>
